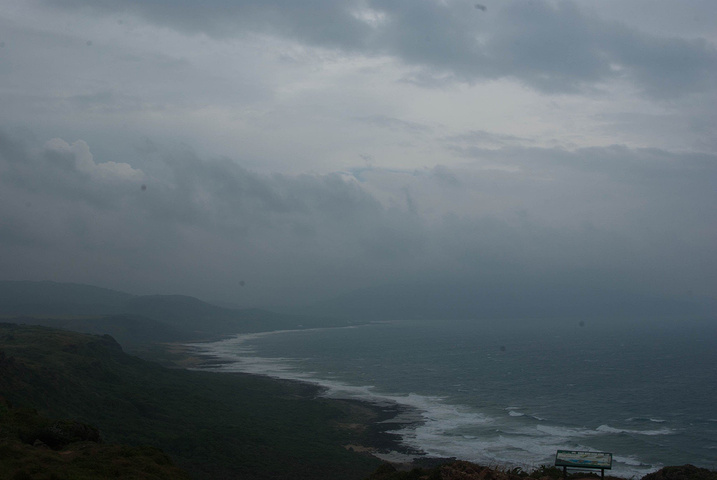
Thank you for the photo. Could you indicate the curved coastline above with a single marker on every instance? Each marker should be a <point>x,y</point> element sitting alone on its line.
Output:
<point>382,419</point>
<point>408,423</point>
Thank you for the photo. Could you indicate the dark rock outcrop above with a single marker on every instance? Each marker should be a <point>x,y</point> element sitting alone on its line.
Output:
<point>63,432</point>
<point>682,472</point>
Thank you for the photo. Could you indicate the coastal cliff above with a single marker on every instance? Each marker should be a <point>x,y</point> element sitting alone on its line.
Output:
<point>212,425</point>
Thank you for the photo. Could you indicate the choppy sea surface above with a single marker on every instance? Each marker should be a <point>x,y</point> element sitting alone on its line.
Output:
<point>513,392</point>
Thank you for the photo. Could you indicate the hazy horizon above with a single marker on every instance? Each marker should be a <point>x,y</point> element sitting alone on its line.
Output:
<point>264,153</point>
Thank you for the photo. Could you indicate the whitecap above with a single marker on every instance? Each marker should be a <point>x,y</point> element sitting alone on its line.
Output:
<point>633,461</point>
<point>612,430</point>
<point>565,432</point>
<point>429,423</point>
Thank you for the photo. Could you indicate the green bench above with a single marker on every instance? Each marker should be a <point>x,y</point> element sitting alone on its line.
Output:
<point>578,459</point>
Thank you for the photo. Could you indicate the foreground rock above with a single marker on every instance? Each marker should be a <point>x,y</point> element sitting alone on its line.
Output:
<point>35,447</point>
<point>461,470</point>
<point>215,426</point>
<point>683,472</point>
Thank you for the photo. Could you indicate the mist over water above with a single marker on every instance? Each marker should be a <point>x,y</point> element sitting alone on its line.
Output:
<point>513,392</point>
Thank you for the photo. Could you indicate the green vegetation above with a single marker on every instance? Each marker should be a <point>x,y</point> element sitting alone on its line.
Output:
<point>134,332</point>
<point>35,447</point>
<point>460,470</point>
<point>682,472</point>
<point>214,425</point>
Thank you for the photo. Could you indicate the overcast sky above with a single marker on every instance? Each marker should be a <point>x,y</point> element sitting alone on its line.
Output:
<point>267,152</point>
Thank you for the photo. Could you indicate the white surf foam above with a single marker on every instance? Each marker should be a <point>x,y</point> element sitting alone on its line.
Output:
<point>634,462</point>
<point>609,429</point>
<point>430,424</point>
<point>645,419</point>
<point>513,412</point>
<point>564,433</point>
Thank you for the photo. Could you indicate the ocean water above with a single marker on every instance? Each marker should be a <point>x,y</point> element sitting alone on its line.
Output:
<point>513,392</point>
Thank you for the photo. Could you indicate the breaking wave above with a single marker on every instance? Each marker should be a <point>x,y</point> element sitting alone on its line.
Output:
<point>430,423</point>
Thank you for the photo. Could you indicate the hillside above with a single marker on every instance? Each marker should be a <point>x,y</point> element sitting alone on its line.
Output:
<point>54,298</point>
<point>36,447</point>
<point>118,411</point>
<point>133,332</point>
<point>214,425</point>
<point>137,320</point>
<point>460,470</point>
<point>200,318</point>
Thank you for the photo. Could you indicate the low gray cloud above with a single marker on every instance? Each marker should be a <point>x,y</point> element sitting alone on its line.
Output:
<point>638,220</point>
<point>322,22</point>
<point>200,217</point>
<point>551,46</point>
<point>383,121</point>
<point>487,139</point>
<point>444,175</point>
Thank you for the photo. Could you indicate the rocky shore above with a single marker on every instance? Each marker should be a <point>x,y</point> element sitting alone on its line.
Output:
<point>376,423</point>
<point>460,470</point>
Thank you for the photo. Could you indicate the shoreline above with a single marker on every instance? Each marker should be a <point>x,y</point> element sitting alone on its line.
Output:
<point>379,428</point>
<point>388,416</point>
<point>377,424</point>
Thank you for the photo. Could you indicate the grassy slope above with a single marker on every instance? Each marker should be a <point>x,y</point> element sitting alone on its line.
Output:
<point>133,332</point>
<point>35,447</point>
<point>215,425</point>
<point>470,471</point>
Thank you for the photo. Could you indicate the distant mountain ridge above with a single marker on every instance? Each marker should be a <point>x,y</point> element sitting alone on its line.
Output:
<point>136,319</point>
<point>55,298</point>
<point>141,319</point>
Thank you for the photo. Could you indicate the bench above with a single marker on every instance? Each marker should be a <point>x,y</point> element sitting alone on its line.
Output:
<point>577,459</point>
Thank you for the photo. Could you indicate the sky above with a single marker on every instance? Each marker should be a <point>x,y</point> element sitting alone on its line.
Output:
<point>282,152</point>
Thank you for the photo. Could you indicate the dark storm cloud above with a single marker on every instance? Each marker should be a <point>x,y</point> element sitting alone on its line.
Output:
<point>666,67</point>
<point>321,22</point>
<point>217,194</point>
<point>633,219</point>
<point>550,46</point>
<point>92,221</point>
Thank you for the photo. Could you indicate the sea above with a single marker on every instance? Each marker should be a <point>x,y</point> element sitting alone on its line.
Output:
<point>513,392</point>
